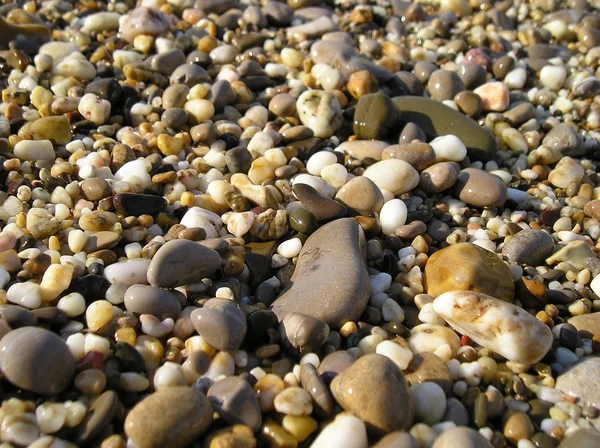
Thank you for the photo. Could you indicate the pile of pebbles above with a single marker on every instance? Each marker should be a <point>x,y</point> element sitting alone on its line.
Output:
<point>325,223</point>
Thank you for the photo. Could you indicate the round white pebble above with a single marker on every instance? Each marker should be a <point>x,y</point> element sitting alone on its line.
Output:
<point>429,402</point>
<point>393,215</point>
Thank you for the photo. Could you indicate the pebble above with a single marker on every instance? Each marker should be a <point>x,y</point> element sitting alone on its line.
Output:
<point>221,323</point>
<point>320,111</point>
<point>346,431</point>
<point>429,401</point>
<point>362,195</point>
<point>461,436</point>
<point>495,324</point>
<point>393,215</point>
<point>374,389</point>
<point>144,299</point>
<point>494,96</point>
<point>448,148</point>
<point>566,171</point>
<point>436,119</point>
<point>182,262</point>
<point>529,246</point>
<point>375,116</point>
<point>439,177</point>
<point>395,176</point>
<point>418,155</point>
<point>234,400</point>
<point>580,381</point>
<point>175,415</point>
<point>467,267</point>
<point>334,299</point>
<point>480,189</point>
<point>36,360</point>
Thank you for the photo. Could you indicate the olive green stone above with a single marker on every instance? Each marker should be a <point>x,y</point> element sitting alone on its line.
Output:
<point>436,119</point>
<point>375,116</point>
<point>303,221</point>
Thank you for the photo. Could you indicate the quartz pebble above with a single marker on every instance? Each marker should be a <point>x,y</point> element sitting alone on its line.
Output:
<point>495,324</point>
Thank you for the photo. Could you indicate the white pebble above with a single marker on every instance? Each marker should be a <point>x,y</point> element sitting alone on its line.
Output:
<point>448,148</point>
<point>393,215</point>
<point>290,248</point>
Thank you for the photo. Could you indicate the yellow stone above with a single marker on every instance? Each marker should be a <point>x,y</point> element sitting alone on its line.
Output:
<point>56,129</point>
<point>125,335</point>
<point>56,279</point>
<point>467,267</point>
<point>169,146</point>
<point>299,426</point>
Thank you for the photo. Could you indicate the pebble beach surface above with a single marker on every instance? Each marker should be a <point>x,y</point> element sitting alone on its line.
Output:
<point>312,223</point>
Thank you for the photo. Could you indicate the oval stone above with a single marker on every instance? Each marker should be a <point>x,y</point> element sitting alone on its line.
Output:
<point>480,188</point>
<point>506,329</point>
<point>222,323</point>
<point>36,360</point>
<point>467,267</point>
<point>330,281</point>
<point>374,389</point>
<point>175,416</point>
<point>182,262</point>
<point>144,299</point>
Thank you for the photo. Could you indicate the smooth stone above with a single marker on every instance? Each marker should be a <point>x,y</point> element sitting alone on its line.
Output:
<point>313,383</point>
<point>581,381</point>
<point>103,239</point>
<point>98,220</point>
<point>128,272</point>
<point>495,324</point>
<point>472,75</point>
<point>439,177</point>
<point>182,262</point>
<point>166,62</point>
<point>395,176</point>
<point>56,129</point>
<point>319,111</point>
<point>324,51</point>
<point>303,334</point>
<point>374,389</point>
<point>375,117</point>
<point>36,360</point>
<point>494,96</point>
<point>100,414</point>
<point>144,299</point>
<point>592,209</point>
<point>174,416</point>
<point>437,119</point>
<point>519,114</point>
<point>529,246</point>
<point>574,253</point>
<point>133,204</point>
<point>95,189</point>
<point>397,439</point>
<point>330,281</point>
<point>279,14</point>
<point>335,363</point>
<point>303,221</point>
<point>148,21</point>
<point>564,139</point>
<point>350,63</point>
<point>426,367</point>
<point>566,172</point>
<point>222,323</point>
<point>456,412</point>
<point>235,401</point>
<point>323,208</point>
<point>346,431</point>
<point>467,267</point>
<point>16,316</point>
<point>419,155</point>
<point>38,34</point>
<point>364,149</point>
<point>582,438</point>
<point>34,150</point>
<point>461,437</point>
<point>588,323</point>
<point>444,85</point>
<point>314,28</point>
<point>480,189</point>
<point>411,132</point>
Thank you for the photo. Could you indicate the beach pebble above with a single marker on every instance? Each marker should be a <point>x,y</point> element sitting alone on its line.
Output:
<point>393,215</point>
<point>36,360</point>
<point>494,96</point>
<point>448,148</point>
<point>395,176</point>
<point>495,324</point>
<point>320,111</point>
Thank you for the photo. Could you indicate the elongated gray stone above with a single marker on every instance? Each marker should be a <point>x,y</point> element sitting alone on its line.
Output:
<point>330,282</point>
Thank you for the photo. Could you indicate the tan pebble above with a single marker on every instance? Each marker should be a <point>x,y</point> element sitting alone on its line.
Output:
<point>293,401</point>
<point>90,382</point>
<point>56,279</point>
